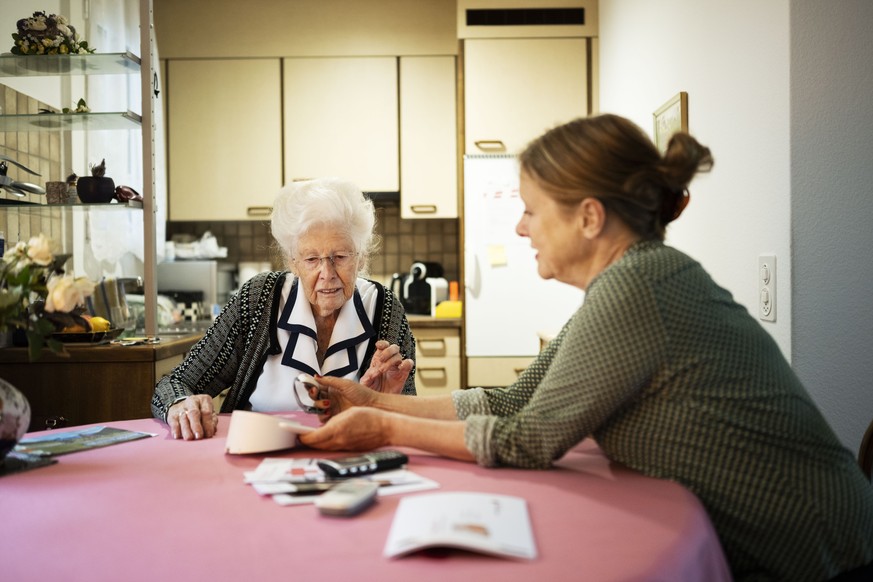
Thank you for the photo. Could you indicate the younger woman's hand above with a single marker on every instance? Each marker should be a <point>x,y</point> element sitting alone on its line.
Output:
<point>343,394</point>
<point>356,429</point>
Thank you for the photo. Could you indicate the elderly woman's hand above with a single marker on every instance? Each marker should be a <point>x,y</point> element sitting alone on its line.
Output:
<point>193,418</point>
<point>388,370</point>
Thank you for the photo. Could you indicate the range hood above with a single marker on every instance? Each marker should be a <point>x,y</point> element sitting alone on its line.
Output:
<point>384,198</point>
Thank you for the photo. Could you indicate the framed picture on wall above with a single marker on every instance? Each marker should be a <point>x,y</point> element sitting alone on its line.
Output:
<point>671,117</point>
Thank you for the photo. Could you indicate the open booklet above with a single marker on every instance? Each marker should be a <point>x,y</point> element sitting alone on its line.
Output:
<point>256,432</point>
<point>498,525</point>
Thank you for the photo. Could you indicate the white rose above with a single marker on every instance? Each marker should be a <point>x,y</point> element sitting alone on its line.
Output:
<point>16,257</point>
<point>37,25</point>
<point>62,19</point>
<point>63,29</point>
<point>39,250</point>
<point>19,249</point>
<point>66,293</point>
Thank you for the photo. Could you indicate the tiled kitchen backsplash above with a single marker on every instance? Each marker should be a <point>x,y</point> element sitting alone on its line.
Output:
<point>41,152</point>
<point>403,242</point>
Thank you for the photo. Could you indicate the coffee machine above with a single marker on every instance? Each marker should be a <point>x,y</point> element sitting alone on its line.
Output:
<point>422,289</point>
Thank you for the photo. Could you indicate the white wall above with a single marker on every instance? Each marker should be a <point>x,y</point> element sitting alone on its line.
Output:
<point>780,91</point>
<point>732,59</point>
<point>832,207</point>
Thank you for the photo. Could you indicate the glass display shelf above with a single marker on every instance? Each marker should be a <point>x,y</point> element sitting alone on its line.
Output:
<point>49,65</point>
<point>70,121</point>
<point>40,207</point>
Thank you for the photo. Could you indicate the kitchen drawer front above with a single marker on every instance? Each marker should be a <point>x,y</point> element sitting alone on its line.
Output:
<point>437,375</point>
<point>491,372</point>
<point>437,343</point>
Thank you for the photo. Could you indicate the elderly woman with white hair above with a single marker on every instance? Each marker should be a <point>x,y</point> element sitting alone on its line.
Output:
<point>323,318</point>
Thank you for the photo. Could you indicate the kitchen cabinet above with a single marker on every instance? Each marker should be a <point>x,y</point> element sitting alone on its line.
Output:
<point>97,383</point>
<point>340,119</point>
<point>496,371</point>
<point>517,88</point>
<point>428,138</point>
<point>224,138</point>
<point>385,123</point>
<point>437,355</point>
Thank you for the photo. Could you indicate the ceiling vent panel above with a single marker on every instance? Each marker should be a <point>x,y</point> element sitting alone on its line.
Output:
<point>527,18</point>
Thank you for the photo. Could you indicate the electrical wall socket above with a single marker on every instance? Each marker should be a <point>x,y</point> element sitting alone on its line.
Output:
<point>767,287</point>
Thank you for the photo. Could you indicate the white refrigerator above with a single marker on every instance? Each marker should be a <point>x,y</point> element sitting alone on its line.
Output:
<point>506,303</point>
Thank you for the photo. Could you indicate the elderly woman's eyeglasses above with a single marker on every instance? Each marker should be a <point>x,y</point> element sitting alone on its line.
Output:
<point>307,391</point>
<point>338,260</point>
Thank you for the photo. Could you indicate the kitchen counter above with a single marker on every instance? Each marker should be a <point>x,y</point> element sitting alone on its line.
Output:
<point>426,321</point>
<point>107,352</point>
<point>96,383</point>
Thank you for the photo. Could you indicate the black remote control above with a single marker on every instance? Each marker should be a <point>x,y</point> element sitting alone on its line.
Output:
<point>362,464</point>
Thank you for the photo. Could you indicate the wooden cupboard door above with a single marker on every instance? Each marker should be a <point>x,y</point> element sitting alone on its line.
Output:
<point>516,89</point>
<point>495,372</point>
<point>428,138</point>
<point>224,140</point>
<point>340,119</point>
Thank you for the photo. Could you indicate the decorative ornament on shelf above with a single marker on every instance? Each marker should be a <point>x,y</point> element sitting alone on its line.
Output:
<point>81,107</point>
<point>96,188</point>
<point>48,34</point>
<point>38,297</point>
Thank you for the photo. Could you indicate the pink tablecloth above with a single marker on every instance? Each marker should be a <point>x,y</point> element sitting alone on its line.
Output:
<point>159,509</point>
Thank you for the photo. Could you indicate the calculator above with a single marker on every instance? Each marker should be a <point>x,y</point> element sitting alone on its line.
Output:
<point>362,464</point>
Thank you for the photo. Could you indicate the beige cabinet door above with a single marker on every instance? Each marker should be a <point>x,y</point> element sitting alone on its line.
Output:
<point>224,138</point>
<point>515,89</point>
<point>428,138</point>
<point>340,119</point>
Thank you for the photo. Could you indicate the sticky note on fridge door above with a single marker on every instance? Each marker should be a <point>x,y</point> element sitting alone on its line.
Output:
<point>497,255</point>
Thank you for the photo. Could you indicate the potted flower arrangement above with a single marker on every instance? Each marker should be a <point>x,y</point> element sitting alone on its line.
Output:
<point>38,298</point>
<point>48,34</point>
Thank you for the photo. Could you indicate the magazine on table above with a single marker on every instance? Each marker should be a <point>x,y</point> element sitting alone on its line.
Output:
<point>59,442</point>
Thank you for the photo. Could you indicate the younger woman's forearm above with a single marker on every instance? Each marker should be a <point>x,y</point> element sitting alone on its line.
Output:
<point>442,437</point>
<point>435,407</point>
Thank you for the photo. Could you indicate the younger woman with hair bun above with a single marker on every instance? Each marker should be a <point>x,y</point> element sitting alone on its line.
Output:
<point>660,366</point>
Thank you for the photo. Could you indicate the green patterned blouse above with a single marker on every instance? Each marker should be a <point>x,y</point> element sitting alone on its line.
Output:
<point>676,380</point>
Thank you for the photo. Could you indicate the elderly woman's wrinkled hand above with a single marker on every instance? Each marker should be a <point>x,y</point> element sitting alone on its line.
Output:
<point>194,418</point>
<point>388,369</point>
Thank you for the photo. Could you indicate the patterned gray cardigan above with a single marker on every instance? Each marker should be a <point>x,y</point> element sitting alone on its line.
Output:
<point>234,349</point>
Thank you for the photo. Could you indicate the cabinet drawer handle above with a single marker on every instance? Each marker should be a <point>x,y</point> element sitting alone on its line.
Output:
<point>259,210</point>
<point>435,345</point>
<point>490,145</point>
<point>423,208</point>
<point>433,372</point>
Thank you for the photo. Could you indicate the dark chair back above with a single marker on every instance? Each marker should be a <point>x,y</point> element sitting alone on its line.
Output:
<point>865,453</point>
